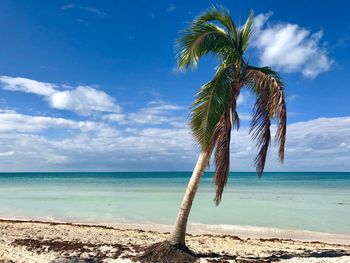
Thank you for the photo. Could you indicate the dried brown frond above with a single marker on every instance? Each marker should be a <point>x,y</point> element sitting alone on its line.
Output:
<point>234,118</point>
<point>270,104</point>
<point>222,155</point>
<point>260,130</point>
<point>236,121</point>
<point>281,130</point>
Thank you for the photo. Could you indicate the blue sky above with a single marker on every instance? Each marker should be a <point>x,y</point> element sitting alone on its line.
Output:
<point>92,85</point>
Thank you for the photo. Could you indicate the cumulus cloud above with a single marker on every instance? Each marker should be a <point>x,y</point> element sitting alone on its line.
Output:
<point>88,145</point>
<point>157,112</point>
<point>155,137</point>
<point>114,117</point>
<point>319,144</point>
<point>83,100</point>
<point>27,85</point>
<point>289,47</point>
<point>11,121</point>
<point>25,145</point>
<point>87,101</point>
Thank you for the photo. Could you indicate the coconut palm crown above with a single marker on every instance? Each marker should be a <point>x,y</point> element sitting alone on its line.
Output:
<point>213,113</point>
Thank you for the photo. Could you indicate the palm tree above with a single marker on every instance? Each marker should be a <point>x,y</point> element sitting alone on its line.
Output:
<point>213,113</point>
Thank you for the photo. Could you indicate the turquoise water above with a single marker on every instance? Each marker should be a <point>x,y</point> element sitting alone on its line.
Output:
<point>300,201</point>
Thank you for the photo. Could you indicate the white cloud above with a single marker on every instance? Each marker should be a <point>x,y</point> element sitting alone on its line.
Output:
<point>94,10</point>
<point>241,99</point>
<point>86,145</point>
<point>291,97</point>
<point>83,100</point>
<point>155,137</point>
<point>311,145</point>
<point>320,144</point>
<point>68,6</point>
<point>171,8</point>
<point>9,153</point>
<point>11,121</point>
<point>289,47</point>
<point>81,21</point>
<point>114,117</point>
<point>156,113</point>
<point>89,9</point>
<point>27,85</point>
<point>244,116</point>
<point>87,101</point>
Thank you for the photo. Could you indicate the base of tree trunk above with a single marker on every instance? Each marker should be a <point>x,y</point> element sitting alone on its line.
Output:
<point>165,252</point>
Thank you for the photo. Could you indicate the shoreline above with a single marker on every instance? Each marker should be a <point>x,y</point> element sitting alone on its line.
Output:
<point>206,229</point>
<point>51,242</point>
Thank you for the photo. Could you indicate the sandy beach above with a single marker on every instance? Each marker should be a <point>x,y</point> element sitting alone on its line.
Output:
<point>31,241</point>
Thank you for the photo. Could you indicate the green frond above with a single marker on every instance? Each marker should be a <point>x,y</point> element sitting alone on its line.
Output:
<point>219,14</point>
<point>212,100</point>
<point>202,39</point>
<point>247,32</point>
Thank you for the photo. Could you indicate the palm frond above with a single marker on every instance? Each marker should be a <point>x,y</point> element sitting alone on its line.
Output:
<point>212,100</point>
<point>260,130</point>
<point>222,136</point>
<point>268,87</point>
<point>222,155</point>
<point>234,117</point>
<point>281,132</point>
<point>202,39</point>
<point>235,120</point>
<point>246,32</point>
<point>219,14</point>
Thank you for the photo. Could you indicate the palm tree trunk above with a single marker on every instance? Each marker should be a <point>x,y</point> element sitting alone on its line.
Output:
<point>177,237</point>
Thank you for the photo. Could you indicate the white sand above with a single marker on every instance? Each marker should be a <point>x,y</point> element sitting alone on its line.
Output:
<point>57,243</point>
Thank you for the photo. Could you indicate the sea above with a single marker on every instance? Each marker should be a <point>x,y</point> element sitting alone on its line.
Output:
<point>290,201</point>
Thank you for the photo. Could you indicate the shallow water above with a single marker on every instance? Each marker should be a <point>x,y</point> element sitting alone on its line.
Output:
<point>298,201</point>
